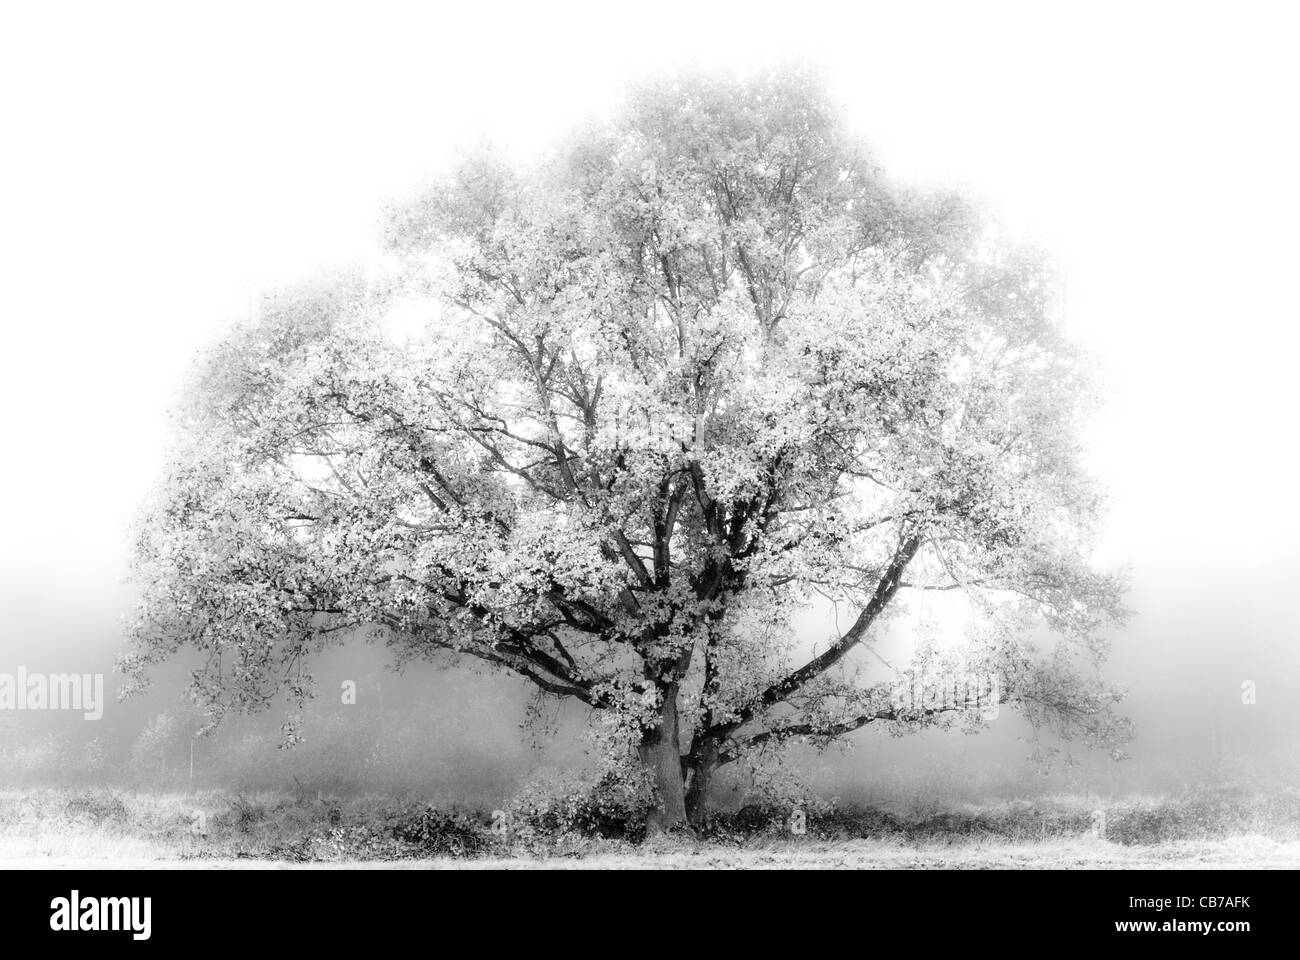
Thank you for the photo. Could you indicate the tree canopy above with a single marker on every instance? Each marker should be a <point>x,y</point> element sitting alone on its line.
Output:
<point>700,367</point>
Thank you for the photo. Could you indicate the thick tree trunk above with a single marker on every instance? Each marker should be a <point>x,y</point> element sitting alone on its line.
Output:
<point>701,776</point>
<point>660,751</point>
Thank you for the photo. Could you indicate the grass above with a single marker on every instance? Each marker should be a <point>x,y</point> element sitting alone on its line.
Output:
<point>110,827</point>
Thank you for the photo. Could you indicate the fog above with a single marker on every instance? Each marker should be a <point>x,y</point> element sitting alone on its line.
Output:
<point>163,170</point>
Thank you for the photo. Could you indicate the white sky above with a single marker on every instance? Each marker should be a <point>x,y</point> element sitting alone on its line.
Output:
<point>160,166</point>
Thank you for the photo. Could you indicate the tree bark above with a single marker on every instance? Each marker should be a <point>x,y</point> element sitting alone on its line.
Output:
<point>697,792</point>
<point>660,751</point>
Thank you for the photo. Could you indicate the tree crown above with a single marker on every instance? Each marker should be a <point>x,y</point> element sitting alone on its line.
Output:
<point>705,364</point>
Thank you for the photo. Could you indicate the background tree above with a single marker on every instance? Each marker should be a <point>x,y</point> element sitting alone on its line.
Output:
<point>703,365</point>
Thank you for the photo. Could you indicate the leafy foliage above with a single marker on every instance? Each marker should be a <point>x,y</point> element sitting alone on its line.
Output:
<point>444,834</point>
<point>613,807</point>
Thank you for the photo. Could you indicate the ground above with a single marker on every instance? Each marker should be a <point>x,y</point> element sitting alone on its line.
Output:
<point>1237,853</point>
<point>215,829</point>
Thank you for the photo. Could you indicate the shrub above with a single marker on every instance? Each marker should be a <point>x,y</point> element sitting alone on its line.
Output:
<point>616,806</point>
<point>246,812</point>
<point>440,833</point>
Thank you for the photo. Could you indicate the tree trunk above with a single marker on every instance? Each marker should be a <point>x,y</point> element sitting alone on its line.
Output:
<point>697,793</point>
<point>660,751</point>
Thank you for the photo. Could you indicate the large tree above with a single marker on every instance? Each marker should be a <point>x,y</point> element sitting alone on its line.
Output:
<point>701,367</point>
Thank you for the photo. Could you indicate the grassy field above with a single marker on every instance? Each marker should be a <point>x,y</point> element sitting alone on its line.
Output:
<point>59,827</point>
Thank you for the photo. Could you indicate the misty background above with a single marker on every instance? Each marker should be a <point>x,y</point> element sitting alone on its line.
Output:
<point>165,168</point>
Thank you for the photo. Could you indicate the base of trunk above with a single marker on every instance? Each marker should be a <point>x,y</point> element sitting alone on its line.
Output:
<point>660,752</point>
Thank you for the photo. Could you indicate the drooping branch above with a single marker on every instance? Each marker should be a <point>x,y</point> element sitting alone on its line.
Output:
<point>529,662</point>
<point>831,730</point>
<point>777,692</point>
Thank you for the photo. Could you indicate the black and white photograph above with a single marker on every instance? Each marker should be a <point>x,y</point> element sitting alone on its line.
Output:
<point>713,437</point>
